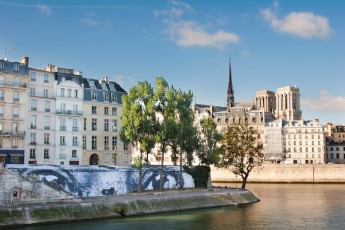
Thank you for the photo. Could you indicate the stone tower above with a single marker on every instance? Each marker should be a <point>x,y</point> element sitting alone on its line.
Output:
<point>288,103</point>
<point>230,100</point>
<point>265,100</point>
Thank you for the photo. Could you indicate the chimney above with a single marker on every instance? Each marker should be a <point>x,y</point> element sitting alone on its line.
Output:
<point>25,61</point>
<point>316,120</point>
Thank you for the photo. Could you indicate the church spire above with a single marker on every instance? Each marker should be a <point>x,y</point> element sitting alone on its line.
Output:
<point>230,100</point>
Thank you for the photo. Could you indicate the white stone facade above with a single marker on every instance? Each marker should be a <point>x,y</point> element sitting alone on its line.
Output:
<point>304,142</point>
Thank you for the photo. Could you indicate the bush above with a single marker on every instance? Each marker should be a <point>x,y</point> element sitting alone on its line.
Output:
<point>200,175</point>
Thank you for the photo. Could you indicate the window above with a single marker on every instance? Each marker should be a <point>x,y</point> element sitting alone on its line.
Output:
<point>113,111</point>
<point>114,125</point>
<point>46,122</point>
<point>33,105</point>
<point>14,143</point>
<point>337,155</point>
<point>45,93</point>
<point>15,96</point>
<point>126,157</point>
<point>94,142</point>
<point>74,154</point>
<point>94,124</point>
<point>33,139</point>
<point>76,93</point>
<point>63,124</point>
<point>15,112</point>
<point>84,142</point>
<point>106,157</point>
<point>33,121</point>
<point>94,109</point>
<point>106,143</point>
<point>69,93</point>
<point>15,127</point>
<point>85,120</point>
<point>63,107</point>
<point>1,111</point>
<point>106,96</point>
<point>106,124</point>
<point>46,80</point>
<point>92,84</point>
<point>106,110</point>
<point>2,64</point>
<point>75,108</point>
<point>62,92</point>
<point>1,95</point>
<point>306,150</point>
<point>125,146</point>
<point>33,76</point>
<point>16,66</point>
<point>46,139</point>
<point>93,96</point>
<point>75,127</point>
<point>32,153</point>
<point>62,141</point>
<point>75,141</point>
<point>47,106</point>
<point>15,81</point>
<point>114,97</point>
<point>104,85</point>
<point>46,153</point>
<point>114,142</point>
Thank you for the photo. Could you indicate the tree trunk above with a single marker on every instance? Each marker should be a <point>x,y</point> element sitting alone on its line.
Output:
<point>140,169</point>
<point>244,181</point>
<point>161,170</point>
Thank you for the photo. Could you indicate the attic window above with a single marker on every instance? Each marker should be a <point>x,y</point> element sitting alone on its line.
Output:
<point>104,86</point>
<point>16,66</point>
<point>112,87</point>
<point>2,64</point>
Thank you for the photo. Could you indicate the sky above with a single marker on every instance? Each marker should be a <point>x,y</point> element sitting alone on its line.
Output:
<point>271,44</point>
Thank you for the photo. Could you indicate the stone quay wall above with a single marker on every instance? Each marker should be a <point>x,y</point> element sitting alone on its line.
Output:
<point>120,206</point>
<point>281,173</point>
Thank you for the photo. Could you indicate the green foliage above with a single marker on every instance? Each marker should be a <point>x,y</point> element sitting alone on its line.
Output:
<point>241,151</point>
<point>209,137</point>
<point>7,215</point>
<point>200,175</point>
<point>137,162</point>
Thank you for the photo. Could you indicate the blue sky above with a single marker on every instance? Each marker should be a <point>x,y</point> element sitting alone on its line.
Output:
<point>271,43</point>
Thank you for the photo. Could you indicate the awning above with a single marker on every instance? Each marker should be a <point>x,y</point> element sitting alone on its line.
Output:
<point>16,155</point>
<point>3,155</point>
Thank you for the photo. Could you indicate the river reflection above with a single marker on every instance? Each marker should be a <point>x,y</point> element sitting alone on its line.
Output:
<point>282,206</point>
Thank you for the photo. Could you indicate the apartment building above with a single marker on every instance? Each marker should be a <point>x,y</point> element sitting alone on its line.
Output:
<point>68,91</point>
<point>40,136</point>
<point>304,142</point>
<point>102,107</point>
<point>13,97</point>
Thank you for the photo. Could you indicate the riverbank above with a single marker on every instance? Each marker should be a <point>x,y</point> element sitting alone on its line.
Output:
<point>133,204</point>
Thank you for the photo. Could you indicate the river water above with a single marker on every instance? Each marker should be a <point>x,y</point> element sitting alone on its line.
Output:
<point>282,206</point>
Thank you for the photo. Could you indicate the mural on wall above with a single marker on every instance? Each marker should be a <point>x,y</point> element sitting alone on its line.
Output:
<point>102,180</point>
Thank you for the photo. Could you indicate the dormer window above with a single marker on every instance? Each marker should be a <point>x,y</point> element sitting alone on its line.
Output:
<point>104,86</point>
<point>112,87</point>
<point>92,84</point>
<point>16,66</point>
<point>2,64</point>
<point>94,96</point>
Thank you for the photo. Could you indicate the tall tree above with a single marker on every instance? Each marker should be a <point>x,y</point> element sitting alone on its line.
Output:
<point>165,107</point>
<point>209,137</point>
<point>241,151</point>
<point>138,120</point>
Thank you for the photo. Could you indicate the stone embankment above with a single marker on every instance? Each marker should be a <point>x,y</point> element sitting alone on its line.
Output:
<point>120,206</point>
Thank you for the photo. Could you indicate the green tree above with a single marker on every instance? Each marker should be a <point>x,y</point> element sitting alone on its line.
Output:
<point>209,137</point>
<point>138,120</point>
<point>165,108</point>
<point>241,151</point>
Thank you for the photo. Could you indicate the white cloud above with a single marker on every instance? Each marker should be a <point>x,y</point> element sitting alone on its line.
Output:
<point>188,33</point>
<point>245,53</point>
<point>301,24</point>
<point>90,22</point>
<point>325,102</point>
<point>44,9</point>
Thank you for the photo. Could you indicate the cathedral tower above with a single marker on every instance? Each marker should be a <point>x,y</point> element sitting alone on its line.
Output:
<point>288,103</point>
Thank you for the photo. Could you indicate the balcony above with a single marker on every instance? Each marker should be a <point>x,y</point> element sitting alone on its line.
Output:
<point>41,94</point>
<point>62,143</point>
<point>46,110</point>
<point>33,143</point>
<point>12,133</point>
<point>33,109</point>
<point>62,128</point>
<point>13,84</point>
<point>46,142</point>
<point>69,112</point>
<point>75,129</point>
<point>75,143</point>
<point>106,147</point>
<point>32,126</point>
<point>15,115</point>
<point>47,127</point>
<point>15,99</point>
<point>106,128</point>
